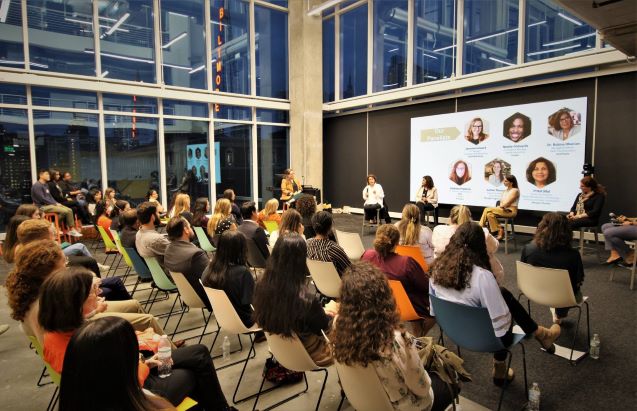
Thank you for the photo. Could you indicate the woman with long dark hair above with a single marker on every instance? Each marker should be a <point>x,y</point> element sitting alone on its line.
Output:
<point>11,237</point>
<point>297,309</point>
<point>588,205</point>
<point>291,222</point>
<point>427,198</point>
<point>202,208</point>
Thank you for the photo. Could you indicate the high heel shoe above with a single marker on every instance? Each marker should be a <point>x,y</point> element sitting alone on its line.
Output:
<point>611,262</point>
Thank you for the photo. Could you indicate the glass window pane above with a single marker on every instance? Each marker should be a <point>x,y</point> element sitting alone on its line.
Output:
<point>132,155</point>
<point>434,40</point>
<point>130,104</point>
<point>233,113</point>
<point>274,157</point>
<point>551,31</point>
<point>328,59</point>
<point>13,94</point>
<point>273,116</point>
<point>282,3</point>
<point>490,34</point>
<point>230,20</point>
<point>390,44</point>
<point>271,52</point>
<point>68,142</point>
<point>55,97</point>
<point>15,167</point>
<point>184,108</point>
<point>187,155</point>
<point>11,50</point>
<point>127,42</point>
<point>183,43</point>
<point>61,36</point>
<point>234,144</point>
<point>353,42</point>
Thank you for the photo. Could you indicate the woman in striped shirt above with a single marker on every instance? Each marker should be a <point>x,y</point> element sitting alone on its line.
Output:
<point>321,248</point>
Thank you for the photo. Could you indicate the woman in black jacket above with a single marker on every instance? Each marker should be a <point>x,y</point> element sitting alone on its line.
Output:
<point>588,204</point>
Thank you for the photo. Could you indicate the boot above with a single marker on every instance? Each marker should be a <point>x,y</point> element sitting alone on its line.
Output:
<point>547,336</point>
<point>502,375</point>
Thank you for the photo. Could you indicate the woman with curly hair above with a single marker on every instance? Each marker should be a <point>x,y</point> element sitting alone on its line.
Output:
<point>460,172</point>
<point>462,274</point>
<point>306,206</point>
<point>413,233</point>
<point>221,219</point>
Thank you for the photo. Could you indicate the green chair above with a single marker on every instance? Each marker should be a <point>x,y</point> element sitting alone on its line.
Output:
<point>122,251</point>
<point>271,226</point>
<point>55,377</point>
<point>204,242</point>
<point>109,249</point>
<point>162,283</point>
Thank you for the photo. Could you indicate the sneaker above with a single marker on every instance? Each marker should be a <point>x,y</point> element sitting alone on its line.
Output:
<point>103,267</point>
<point>73,232</point>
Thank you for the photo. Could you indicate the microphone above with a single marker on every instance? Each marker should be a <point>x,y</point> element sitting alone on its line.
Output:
<point>612,215</point>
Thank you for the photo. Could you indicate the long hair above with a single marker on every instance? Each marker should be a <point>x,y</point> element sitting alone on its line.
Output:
<point>107,193</point>
<point>459,214</point>
<point>409,225</point>
<point>591,183</point>
<point>101,362</point>
<point>364,329</point>
<point>91,195</point>
<point>120,206</point>
<point>429,182</point>
<point>101,209</point>
<point>281,297</point>
<point>553,232</point>
<point>290,222</point>
<point>306,205</point>
<point>182,204</point>
<point>62,298</point>
<point>11,237</point>
<point>27,210</point>
<point>201,208</point>
<point>386,240</point>
<point>513,180</point>
<point>271,206</point>
<point>231,251</point>
<point>33,230</point>
<point>222,211</point>
<point>466,248</point>
<point>454,176</point>
<point>482,136</point>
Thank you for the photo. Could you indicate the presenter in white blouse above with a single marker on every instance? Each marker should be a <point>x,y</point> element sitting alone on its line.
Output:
<point>508,207</point>
<point>373,195</point>
<point>427,199</point>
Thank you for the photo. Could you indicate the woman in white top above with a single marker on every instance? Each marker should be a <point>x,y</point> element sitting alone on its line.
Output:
<point>459,215</point>
<point>427,198</point>
<point>497,177</point>
<point>508,207</point>
<point>412,233</point>
<point>462,275</point>
<point>373,195</point>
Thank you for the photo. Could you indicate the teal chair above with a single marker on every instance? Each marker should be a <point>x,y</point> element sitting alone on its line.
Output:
<point>204,242</point>
<point>165,284</point>
<point>143,273</point>
<point>471,328</point>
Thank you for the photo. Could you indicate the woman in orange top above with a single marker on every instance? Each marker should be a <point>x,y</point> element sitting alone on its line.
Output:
<point>102,217</point>
<point>269,213</point>
<point>96,362</point>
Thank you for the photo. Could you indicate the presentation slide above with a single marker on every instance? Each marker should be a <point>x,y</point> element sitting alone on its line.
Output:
<point>468,153</point>
<point>198,161</point>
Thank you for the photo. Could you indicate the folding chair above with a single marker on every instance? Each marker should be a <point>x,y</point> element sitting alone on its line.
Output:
<point>403,304</point>
<point>362,388</point>
<point>109,249</point>
<point>204,241</point>
<point>351,243</point>
<point>123,253</point>
<point>192,300</point>
<point>162,283</point>
<point>414,252</point>
<point>143,273</point>
<point>55,377</point>
<point>256,260</point>
<point>325,277</point>
<point>271,226</point>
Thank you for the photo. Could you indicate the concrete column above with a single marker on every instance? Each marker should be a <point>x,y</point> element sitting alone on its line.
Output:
<point>306,92</point>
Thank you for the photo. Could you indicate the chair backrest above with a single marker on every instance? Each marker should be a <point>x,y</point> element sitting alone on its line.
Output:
<point>414,252</point>
<point>139,265</point>
<point>325,277</point>
<point>108,243</point>
<point>469,327</point>
<point>120,248</point>
<point>204,242</point>
<point>290,352</point>
<point>363,388</point>
<point>187,293</point>
<point>545,286</point>
<point>225,313</point>
<point>255,258</point>
<point>403,304</point>
<point>55,377</point>
<point>351,243</point>
<point>271,226</point>
<point>159,276</point>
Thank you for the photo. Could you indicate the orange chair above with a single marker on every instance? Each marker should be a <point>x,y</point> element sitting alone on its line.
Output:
<point>60,233</point>
<point>414,252</point>
<point>404,306</point>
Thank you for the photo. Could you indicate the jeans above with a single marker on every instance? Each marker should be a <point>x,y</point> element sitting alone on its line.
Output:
<point>77,249</point>
<point>614,237</point>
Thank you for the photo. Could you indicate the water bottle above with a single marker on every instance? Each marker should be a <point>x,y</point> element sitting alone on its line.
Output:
<point>164,355</point>
<point>534,398</point>
<point>225,347</point>
<point>595,343</point>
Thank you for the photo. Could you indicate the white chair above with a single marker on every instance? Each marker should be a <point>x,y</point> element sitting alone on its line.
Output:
<point>325,278</point>
<point>363,388</point>
<point>551,287</point>
<point>351,243</point>
<point>192,300</point>
<point>633,245</point>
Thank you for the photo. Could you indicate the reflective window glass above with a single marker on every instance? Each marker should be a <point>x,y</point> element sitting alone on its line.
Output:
<point>328,59</point>
<point>271,52</point>
<point>61,36</point>
<point>490,34</point>
<point>273,150</point>
<point>187,157</point>
<point>183,43</point>
<point>11,50</point>
<point>132,156</point>
<point>282,3</point>
<point>13,94</point>
<point>233,112</point>
<point>55,97</point>
<point>230,21</point>
<point>234,145</point>
<point>434,40</point>
<point>390,44</point>
<point>551,31</point>
<point>273,116</point>
<point>15,167</point>
<point>184,108</point>
<point>353,52</point>
<point>127,42</point>
<point>130,104</point>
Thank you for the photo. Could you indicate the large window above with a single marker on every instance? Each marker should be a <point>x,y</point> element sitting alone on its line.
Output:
<point>271,28</point>
<point>55,97</point>
<point>434,40</point>
<point>13,94</point>
<point>234,143</point>
<point>230,21</point>
<point>328,59</point>
<point>183,43</point>
<point>390,44</point>
<point>353,53</point>
<point>11,51</point>
<point>15,167</point>
<point>130,104</point>
<point>274,157</point>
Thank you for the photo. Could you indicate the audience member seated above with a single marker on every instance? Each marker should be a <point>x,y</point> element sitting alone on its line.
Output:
<point>11,237</point>
<point>413,233</point>
<point>109,197</point>
<point>290,223</point>
<point>130,226</point>
<point>72,190</point>
<point>615,236</point>
<point>551,248</point>
<point>181,207</point>
<point>148,242</point>
<point>42,198</point>
<point>55,188</point>
<point>462,275</point>
<point>269,213</point>
<point>102,217</point>
<point>152,196</point>
<point>228,271</point>
<point>459,215</point>
<point>236,212</point>
<point>427,198</point>
<point>222,219</point>
<point>116,212</point>
<point>374,197</point>
<point>94,197</point>
<point>30,211</point>
<point>251,230</point>
<point>200,215</point>
<point>588,205</point>
<point>508,207</point>
<point>321,248</point>
<point>184,257</point>
<point>306,206</point>
<point>404,269</point>
<point>297,309</point>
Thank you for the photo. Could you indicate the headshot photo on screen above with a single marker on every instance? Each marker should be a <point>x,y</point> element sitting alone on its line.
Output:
<point>495,171</point>
<point>190,153</point>
<point>460,172</point>
<point>517,127</point>
<point>476,131</point>
<point>197,153</point>
<point>564,123</point>
<point>541,172</point>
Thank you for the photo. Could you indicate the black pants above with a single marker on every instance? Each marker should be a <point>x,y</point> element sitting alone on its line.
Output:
<point>442,395</point>
<point>370,212</point>
<point>427,207</point>
<point>193,375</point>
<point>582,222</point>
<point>520,316</point>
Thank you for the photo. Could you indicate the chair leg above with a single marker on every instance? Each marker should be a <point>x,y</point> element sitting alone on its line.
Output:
<point>318,403</point>
<point>293,396</point>
<point>506,236</point>
<point>579,317</point>
<point>245,363</point>
<point>54,399</point>
<point>505,385</point>
<point>526,382</point>
<point>588,323</point>
<point>43,375</point>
